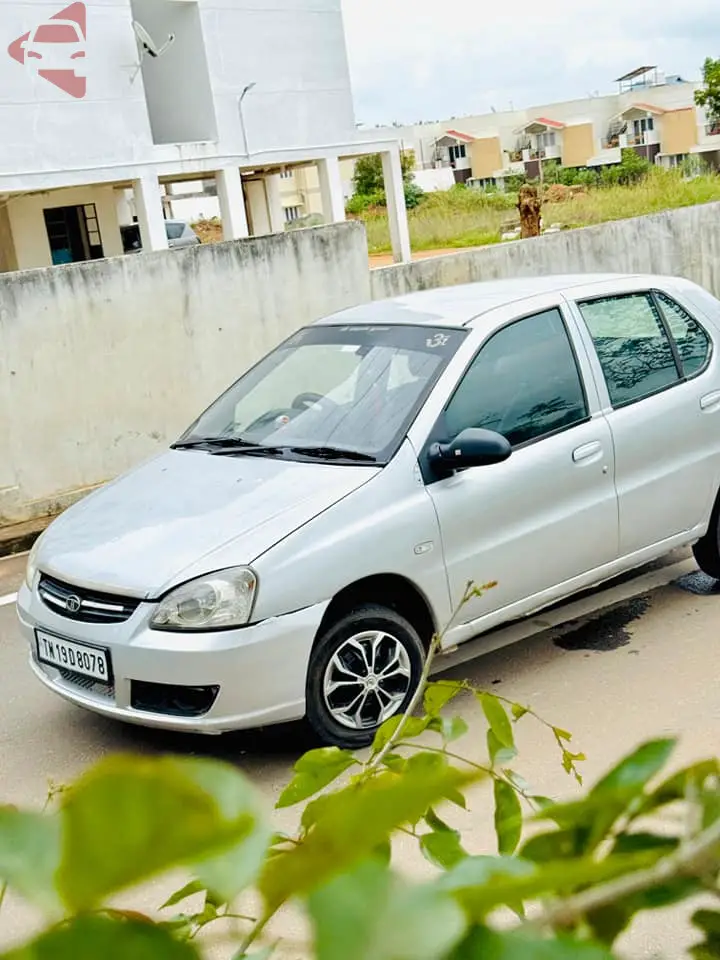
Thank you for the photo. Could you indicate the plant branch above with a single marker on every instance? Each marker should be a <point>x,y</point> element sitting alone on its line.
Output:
<point>692,859</point>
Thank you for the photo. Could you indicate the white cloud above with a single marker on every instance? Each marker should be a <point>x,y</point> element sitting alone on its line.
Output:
<point>423,59</point>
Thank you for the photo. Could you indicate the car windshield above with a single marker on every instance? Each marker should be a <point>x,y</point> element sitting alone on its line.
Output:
<point>333,388</point>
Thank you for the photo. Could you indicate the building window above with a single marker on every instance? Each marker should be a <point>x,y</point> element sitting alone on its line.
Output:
<point>546,140</point>
<point>458,152</point>
<point>643,126</point>
<point>73,233</point>
<point>287,174</point>
<point>292,214</point>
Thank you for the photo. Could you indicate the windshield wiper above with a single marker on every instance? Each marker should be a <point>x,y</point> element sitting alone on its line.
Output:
<point>334,453</point>
<point>219,446</point>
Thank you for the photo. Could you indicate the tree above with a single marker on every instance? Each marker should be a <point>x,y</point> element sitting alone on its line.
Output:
<point>370,183</point>
<point>709,95</point>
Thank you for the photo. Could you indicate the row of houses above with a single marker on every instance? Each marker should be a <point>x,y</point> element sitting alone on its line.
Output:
<point>651,113</point>
<point>139,109</point>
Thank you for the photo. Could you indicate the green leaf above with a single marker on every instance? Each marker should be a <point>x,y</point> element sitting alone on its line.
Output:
<point>631,842</point>
<point>413,727</point>
<point>354,821</point>
<point>497,718</point>
<point>554,845</point>
<point>562,734</point>
<point>508,817</point>
<point>189,890</point>
<point>30,855</point>
<point>88,938</point>
<point>497,752</point>
<point>708,921</point>
<point>494,945</point>
<point>449,728</point>
<point>314,771</point>
<point>484,883</point>
<point>438,694</point>
<point>607,924</point>
<point>632,774</point>
<point>368,914</point>
<point>443,846</point>
<point>130,818</point>
<point>518,711</point>
<point>676,787</point>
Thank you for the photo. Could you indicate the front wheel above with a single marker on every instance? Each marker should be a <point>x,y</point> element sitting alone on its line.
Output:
<point>364,669</point>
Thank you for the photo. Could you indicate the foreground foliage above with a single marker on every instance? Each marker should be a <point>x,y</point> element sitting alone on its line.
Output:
<point>573,875</point>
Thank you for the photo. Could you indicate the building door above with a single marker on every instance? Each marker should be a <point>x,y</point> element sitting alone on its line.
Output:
<point>73,233</point>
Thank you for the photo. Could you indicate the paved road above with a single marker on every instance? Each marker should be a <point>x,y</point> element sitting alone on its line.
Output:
<point>645,668</point>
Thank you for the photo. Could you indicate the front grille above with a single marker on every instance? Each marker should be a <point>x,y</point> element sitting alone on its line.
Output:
<point>87,683</point>
<point>86,606</point>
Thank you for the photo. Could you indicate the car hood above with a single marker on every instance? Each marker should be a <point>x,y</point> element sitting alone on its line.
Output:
<point>187,513</point>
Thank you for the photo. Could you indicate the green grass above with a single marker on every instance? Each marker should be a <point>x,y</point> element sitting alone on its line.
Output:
<point>467,218</point>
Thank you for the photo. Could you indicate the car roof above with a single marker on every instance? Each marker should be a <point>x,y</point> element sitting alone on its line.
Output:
<point>457,306</point>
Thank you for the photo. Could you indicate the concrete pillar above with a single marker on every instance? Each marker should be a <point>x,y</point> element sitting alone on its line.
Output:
<point>274,202</point>
<point>331,190</point>
<point>232,204</point>
<point>397,211</point>
<point>149,208</point>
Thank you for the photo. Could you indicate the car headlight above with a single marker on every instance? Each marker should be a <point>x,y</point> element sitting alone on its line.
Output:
<point>219,600</point>
<point>31,568</point>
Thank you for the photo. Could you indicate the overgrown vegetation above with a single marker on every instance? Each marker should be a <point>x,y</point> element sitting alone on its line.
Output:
<point>709,95</point>
<point>564,889</point>
<point>466,217</point>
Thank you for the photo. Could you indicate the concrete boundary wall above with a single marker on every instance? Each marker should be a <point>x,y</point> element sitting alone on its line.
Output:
<point>683,242</point>
<point>102,364</point>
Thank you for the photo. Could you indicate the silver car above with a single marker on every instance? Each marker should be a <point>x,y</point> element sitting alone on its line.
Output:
<point>293,553</point>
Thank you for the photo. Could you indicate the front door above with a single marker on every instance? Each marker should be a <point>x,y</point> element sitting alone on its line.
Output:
<point>548,514</point>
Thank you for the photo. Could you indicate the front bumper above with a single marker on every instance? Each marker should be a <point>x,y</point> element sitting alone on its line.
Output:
<point>259,671</point>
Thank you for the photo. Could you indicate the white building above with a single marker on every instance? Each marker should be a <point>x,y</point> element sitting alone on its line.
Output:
<point>245,94</point>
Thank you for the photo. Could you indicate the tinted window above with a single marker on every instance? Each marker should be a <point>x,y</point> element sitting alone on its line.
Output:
<point>632,345</point>
<point>524,383</point>
<point>692,342</point>
<point>174,230</point>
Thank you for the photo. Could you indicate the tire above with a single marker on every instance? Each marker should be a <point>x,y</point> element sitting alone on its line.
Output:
<point>707,550</point>
<point>340,717</point>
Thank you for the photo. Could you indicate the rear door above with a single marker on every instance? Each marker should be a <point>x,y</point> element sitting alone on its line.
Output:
<point>658,380</point>
<point>548,515</point>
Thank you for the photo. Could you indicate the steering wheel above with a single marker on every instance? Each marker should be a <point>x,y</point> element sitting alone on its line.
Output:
<point>309,399</point>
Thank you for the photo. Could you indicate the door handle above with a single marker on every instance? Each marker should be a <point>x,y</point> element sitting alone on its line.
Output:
<point>587,450</point>
<point>710,400</point>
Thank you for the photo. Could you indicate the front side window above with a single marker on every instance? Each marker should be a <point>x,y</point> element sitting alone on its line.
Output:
<point>524,383</point>
<point>632,345</point>
<point>693,344</point>
<point>350,388</point>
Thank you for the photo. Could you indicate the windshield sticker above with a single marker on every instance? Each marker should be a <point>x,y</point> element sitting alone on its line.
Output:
<point>439,340</point>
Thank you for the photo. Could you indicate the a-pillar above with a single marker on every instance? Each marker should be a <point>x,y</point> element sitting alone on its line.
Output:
<point>232,204</point>
<point>149,209</point>
<point>274,202</point>
<point>331,190</point>
<point>396,208</point>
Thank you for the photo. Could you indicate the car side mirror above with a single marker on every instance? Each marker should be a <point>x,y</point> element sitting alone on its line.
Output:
<point>470,448</point>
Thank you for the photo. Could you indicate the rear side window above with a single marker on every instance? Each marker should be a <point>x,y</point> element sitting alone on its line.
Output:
<point>524,383</point>
<point>633,346</point>
<point>693,343</point>
<point>174,230</point>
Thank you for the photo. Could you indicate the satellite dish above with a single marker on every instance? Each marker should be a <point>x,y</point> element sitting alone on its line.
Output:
<point>146,42</point>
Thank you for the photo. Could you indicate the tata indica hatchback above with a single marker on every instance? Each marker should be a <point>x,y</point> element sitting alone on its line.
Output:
<point>294,551</point>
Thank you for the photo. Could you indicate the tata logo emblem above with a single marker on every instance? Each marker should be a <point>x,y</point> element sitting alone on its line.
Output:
<point>73,604</point>
<point>55,49</point>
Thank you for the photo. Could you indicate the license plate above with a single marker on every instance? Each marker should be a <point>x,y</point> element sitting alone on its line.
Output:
<point>80,658</point>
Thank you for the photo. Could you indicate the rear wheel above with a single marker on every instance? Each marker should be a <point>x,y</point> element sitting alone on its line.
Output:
<point>707,550</point>
<point>364,669</point>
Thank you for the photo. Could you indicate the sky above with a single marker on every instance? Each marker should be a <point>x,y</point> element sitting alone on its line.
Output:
<point>414,60</point>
